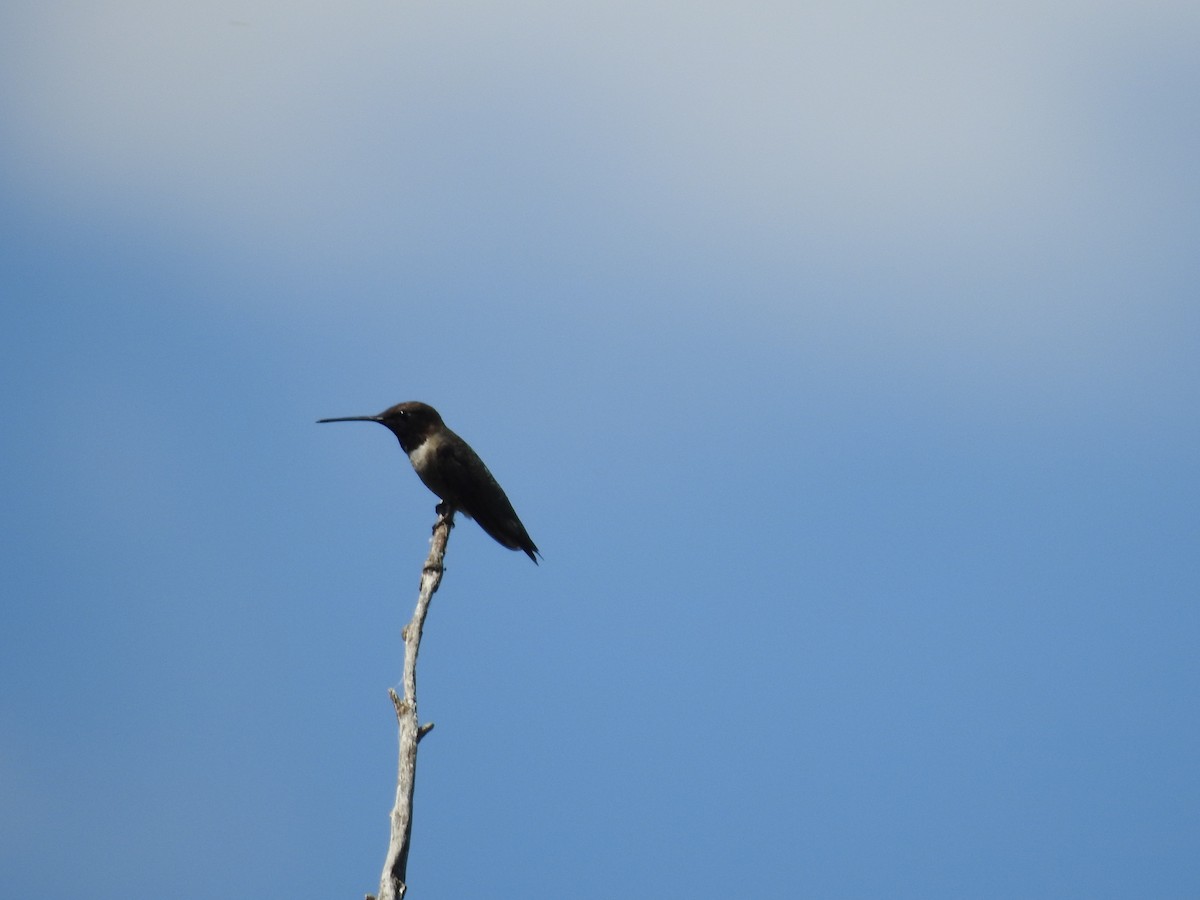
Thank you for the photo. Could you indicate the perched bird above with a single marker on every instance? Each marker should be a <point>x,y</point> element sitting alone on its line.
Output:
<point>452,470</point>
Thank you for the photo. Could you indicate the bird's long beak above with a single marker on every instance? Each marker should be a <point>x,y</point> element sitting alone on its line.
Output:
<point>352,419</point>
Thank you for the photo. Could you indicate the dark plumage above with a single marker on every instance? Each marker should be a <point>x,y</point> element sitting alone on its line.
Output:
<point>452,470</point>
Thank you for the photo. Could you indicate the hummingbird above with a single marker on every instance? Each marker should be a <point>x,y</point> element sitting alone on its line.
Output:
<point>452,470</point>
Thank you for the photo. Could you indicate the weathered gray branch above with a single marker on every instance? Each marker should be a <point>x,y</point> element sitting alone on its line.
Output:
<point>392,886</point>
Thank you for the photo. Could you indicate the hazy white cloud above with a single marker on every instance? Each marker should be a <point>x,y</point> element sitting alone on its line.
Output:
<point>834,112</point>
<point>948,148</point>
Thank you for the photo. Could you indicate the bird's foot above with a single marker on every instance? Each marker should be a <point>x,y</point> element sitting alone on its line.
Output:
<point>444,511</point>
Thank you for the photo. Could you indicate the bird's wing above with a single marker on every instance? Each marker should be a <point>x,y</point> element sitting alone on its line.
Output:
<point>481,498</point>
<point>471,487</point>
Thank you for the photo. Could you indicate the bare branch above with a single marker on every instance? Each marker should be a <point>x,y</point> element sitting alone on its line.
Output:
<point>392,885</point>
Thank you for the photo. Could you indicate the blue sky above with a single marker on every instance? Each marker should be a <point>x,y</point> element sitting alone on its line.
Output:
<point>841,358</point>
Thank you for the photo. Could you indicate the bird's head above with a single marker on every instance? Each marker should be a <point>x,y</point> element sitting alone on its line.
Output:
<point>411,422</point>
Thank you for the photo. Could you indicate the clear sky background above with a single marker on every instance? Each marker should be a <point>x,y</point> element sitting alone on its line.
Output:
<point>842,358</point>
